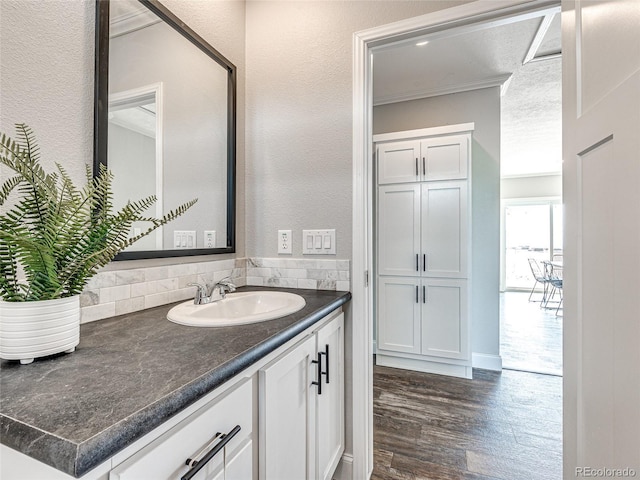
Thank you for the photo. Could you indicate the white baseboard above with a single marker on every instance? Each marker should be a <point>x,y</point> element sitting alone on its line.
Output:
<point>344,470</point>
<point>486,361</point>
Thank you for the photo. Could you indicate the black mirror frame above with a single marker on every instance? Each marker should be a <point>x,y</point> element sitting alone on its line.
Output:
<point>101,112</point>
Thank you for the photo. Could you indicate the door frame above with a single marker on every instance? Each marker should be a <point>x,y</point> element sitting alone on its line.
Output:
<point>467,17</point>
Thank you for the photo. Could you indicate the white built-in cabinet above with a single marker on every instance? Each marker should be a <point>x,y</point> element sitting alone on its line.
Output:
<point>423,259</point>
<point>302,416</point>
<point>280,419</point>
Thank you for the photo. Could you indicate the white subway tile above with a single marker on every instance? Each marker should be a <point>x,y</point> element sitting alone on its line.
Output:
<point>97,312</point>
<point>307,283</point>
<point>101,280</point>
<point>327,285</point>
<point>129,305</point>
<point>111,294</point>
<point>343,286</point>
<point>156,273</point>
<point>126,277</point>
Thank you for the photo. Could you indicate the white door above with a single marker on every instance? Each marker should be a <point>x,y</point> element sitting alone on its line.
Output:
<point>445,325</point>
<point>601,151</point>
<point>444,229</point>
<point>399,314</point>
<point>399,229</point>
<point>445,158</point>
<point>288,415</point>
<point>398,162</point>
<point>330,428</point>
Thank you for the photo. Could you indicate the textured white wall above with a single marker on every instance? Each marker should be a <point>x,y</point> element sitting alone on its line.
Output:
<point>483,108</point>
<point>299,114</point>
<point>46,77</point>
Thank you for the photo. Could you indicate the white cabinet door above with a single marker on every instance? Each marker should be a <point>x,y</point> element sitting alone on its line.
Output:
<point>445,158</point>
<point>444,229</point>
<point>398,314</point>
<point>330,426</point>
<point>288,415</point>
<point>398,162</point>
<point>240,465</point>
<point>399,230</point>
<point>445,325</point>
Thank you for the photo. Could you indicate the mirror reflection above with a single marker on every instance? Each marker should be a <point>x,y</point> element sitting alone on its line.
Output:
<point>170,128</point>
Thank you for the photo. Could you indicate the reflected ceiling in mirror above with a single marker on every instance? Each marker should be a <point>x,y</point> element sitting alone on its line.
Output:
<point>165,125</point>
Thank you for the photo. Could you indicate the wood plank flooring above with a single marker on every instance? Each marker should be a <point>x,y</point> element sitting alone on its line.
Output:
<point>498,426</point>
<point>530,336</point>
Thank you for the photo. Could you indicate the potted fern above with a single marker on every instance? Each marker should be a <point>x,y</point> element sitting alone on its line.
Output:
<point>54,236</point>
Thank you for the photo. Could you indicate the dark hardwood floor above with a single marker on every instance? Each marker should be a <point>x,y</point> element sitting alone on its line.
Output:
<point>505,426</point>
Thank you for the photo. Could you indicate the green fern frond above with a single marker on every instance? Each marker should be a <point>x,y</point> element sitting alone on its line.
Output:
<point>57,234</point>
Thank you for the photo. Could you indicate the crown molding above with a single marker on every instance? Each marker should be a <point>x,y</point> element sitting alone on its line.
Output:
<point>496,81</point>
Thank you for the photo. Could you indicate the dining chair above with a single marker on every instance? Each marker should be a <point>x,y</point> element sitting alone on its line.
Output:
<point>540,278</point>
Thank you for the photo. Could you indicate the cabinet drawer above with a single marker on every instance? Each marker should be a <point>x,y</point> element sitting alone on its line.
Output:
<point>165,457</point>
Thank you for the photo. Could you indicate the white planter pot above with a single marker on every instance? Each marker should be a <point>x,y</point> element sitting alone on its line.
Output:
<point>29,330</point>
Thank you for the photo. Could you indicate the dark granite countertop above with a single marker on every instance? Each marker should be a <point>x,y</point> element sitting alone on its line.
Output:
<point>128,375</point>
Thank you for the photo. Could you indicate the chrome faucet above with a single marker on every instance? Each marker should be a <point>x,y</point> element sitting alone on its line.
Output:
<point>204,293</point>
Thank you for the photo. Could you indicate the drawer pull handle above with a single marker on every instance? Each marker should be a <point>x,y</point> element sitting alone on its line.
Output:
<point>318,362</point>
<point>326,356</point>
<point>196,465</point>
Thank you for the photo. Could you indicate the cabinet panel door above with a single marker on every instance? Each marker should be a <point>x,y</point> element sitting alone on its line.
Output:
<point>398,314</point>
<point>399,229</point>
<point>288,415</point>
<point>398,162</point>
<point>445,158</point>
<point>240,465</point>
<point>444,229</point>
<point>330,425</point>
<point>445,323</point>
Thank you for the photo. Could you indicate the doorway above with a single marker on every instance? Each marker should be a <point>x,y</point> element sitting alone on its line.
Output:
<point>363,300</point>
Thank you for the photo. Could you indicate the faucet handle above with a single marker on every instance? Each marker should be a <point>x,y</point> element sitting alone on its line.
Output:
<point>201,292</point>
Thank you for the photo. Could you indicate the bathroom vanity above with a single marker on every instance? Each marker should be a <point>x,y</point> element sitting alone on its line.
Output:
<point>143,397</point>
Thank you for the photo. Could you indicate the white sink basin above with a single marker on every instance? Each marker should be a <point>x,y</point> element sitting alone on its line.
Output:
<point>237,309</point>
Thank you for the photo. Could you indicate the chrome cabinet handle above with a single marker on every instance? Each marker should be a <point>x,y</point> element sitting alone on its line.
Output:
<point>417,262</point>
<point>424,294</point>
<point>197,465</point>
<point>417,171</point>
<point>424,262</point>
<point>424,167</point>
<point>417,300</point>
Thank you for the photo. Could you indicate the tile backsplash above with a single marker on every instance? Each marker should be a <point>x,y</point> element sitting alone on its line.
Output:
<point>117,292</point>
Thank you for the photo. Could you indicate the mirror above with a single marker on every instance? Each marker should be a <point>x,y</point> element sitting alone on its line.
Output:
<point>165,115</point>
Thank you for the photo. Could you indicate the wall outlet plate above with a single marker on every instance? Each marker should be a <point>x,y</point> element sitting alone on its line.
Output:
<point>209,239</point>
<point>285,242</point>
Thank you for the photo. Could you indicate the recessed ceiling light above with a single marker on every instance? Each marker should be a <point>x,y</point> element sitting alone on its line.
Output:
<point>420,44</point>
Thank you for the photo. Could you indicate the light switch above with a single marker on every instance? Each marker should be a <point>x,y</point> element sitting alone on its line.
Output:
<point>319,242</point>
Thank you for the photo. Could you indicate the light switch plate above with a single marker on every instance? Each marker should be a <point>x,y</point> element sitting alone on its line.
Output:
<point>319,242</point>
<point>184,239</point>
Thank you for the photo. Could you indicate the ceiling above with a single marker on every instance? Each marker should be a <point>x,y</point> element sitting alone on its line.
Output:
<point>522,56</point>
